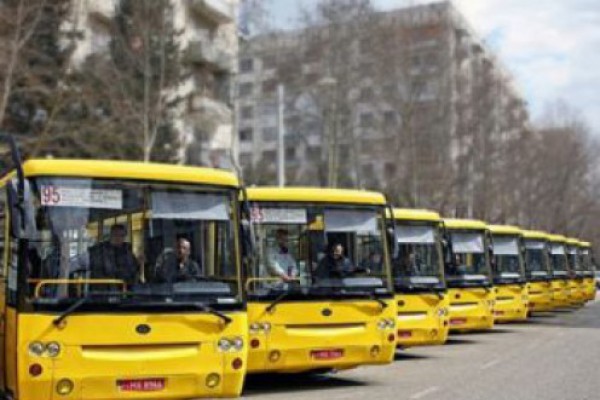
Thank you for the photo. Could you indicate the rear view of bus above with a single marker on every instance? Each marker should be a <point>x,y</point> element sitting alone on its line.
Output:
<point>508,273</point>
<point>319,291</point>
<point>577,290</point>
<point>589,272</point>
<point>538,271</point>
<point>560,272</point>
<point>418,271</point>
<point>123,283</point>
<point>468,276</point>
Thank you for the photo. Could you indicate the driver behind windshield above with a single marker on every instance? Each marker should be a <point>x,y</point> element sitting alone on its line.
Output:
<point>335,265</point>
<point>280,263</point>
<point>177,266</point>
<point>114,259</point>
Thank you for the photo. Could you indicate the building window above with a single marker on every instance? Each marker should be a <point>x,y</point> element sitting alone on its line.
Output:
<point>247,112</point>
<point>269,156</point>
<point>367,120</point>
<point>245,160</point>
<point>246,65</point>
<point>290,153</point>
<point>269,134</point>
<point>313,153</point>
<point>246,134</point>
<point>390,170</point>
<point>269,62</point>
<point>389,118</point>
<point>245,89</point>
<point>268,109</point>
<point>366,94</point>
<point>269,86</point>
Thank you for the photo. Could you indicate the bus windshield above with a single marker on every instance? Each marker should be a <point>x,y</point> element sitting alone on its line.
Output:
<point>506,264</point>
<point>470,262</point>
<point>559,259</point>
<point>574,261</point>
<point>311,250</point>
<point>536,263</point>
<point>131,243</point>
<point>419,261</point>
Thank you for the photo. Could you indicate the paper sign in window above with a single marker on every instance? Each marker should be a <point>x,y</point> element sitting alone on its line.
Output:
<point>350,221</point>
<point>190,206</point>
<point>61,196</point>
<point>415,234</point>
<point>467,242</point>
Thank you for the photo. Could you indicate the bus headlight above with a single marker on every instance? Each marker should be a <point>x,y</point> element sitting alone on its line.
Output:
<point>224,344</point>
<point>254,328</point>
<point>382,324</point>
<point>36,348</point>
<point>238,343</point>
<point>391,323</point>
<point>266,327</point>
<point>53,349</point>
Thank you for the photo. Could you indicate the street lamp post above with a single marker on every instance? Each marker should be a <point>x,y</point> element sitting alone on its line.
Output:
<point>330,85</point>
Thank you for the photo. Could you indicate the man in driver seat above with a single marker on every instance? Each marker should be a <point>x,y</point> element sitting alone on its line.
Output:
<point>177,266</point>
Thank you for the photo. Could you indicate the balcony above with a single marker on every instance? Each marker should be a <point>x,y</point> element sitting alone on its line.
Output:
<point>211,54</point>
<point>215,11</point>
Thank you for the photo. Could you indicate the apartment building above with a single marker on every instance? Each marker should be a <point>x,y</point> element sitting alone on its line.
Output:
<point>209,39</point>
<point>409,104</point>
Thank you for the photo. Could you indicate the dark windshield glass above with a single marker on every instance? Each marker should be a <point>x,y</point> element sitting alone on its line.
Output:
<point>559,258</point>
<point>536,261</point>
<point>303,248</point>
<point>469,258</point>
<point>507,262</point>
<point>158,242</point>
<point>419,254</point>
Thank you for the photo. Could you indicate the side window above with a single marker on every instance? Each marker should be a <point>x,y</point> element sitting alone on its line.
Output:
<point>3,263</point>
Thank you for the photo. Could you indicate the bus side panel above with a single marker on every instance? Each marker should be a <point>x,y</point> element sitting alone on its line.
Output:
<point>11,350</point>
<point>2,334</point>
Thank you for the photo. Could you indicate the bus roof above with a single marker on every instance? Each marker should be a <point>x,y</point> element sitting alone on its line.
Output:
<point>540,235</point>
<point>557,238</point>
<point>572,241</point>
<point>315,195</point>
<point>125,170</point>
<point>453,223</point>
<point>409,214</point>
<point>585,244</point>
<point>505,230</point>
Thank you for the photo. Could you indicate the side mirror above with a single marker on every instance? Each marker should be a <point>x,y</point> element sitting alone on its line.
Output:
<point>16,212</point>
<point>391,237</point>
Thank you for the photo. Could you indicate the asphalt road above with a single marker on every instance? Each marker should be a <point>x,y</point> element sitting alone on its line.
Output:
<point>551,357</point>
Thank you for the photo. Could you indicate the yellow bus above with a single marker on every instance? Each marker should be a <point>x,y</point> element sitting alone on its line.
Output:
<point>469,276</point>
<point>418,271</point>
<point>577,295</point>
<point>589,272</point>
<point>538,271</point>
<point>560,272</point>
<point>122,280</point>
<point>509,273</point>
<point>319,291</point>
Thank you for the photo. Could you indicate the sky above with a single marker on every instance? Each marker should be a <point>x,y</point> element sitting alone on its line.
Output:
<point>552,47</point>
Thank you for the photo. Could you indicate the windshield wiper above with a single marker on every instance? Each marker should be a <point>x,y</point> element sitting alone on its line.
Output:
<point>58,320</point>
<point>208,309</point>
<point>277,300</point>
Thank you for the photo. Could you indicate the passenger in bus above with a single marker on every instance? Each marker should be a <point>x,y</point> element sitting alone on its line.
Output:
<point>114,259</point>
<point>177,266</point>
<point>280,262</point>
<point>373,263</point>
<point>335,265</point>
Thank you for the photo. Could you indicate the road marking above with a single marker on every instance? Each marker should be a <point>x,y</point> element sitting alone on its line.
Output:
<point>491,364</point>
<point>423,393</point>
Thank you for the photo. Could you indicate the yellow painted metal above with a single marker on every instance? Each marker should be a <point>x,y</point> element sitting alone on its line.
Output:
<point>561,292</point>
<point>539,235</point>
<point>409,214</point>
<point>471,309</point>
<point>452,223</point>
<point>127,170</point>
<point>511,299</point>
<point>99,350</point>
<point>423,319</point>
<point>589,282</point>
<point>511,303</point>
<point>539,292</point>
<point>316,195</point>
<point>298,328</point>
